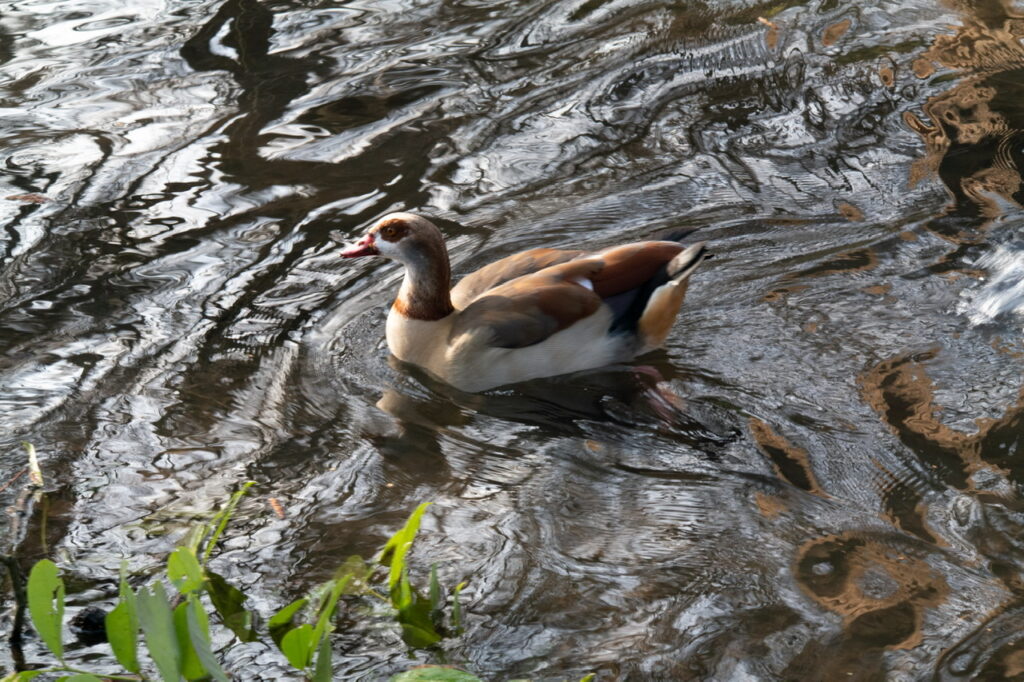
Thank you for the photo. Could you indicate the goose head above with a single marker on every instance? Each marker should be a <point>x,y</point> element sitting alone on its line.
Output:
<point>404,237</point>
<point>415,242</point>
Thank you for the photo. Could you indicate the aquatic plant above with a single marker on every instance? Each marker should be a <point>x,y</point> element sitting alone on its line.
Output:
<point>176,631</point>
<point>421,618</point>
<point>175,628</point>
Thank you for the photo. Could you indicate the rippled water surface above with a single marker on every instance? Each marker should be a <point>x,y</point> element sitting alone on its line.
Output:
<point>824,483</point>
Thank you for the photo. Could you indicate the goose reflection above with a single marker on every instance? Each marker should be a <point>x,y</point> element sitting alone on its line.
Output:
<point>624,395</point>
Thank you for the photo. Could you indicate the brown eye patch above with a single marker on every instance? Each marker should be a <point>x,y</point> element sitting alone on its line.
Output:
<point>393,230</point>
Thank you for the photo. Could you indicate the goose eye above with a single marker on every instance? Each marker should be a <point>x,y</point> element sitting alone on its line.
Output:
<point>389,232</point>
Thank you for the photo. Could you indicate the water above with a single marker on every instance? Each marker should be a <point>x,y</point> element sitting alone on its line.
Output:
<point>818,478</point>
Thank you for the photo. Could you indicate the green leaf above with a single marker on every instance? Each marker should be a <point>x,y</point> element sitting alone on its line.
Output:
<point>435,590</point>
<point>158,626</point>
<point>122,636</point>
<point>46,604</point>
<point>402,597</point>
<point>221,521</point>
<point>399,544</point>
<point>323,622</point>
<point>122,625</point>
<point>417,637</point>
<point>196,536</point>
<point>323,671</point>
<point>281,623</point>
<point>191,667</point>
<point>360,571</point>
<point>419,630</point>
<point>23,676</point>
<point>435,673</point>
<point>228,600</point>
<point>297,645</point>
<point>318,597</point>
<point>184,571</point>
<point>199,634</point>
<point>589,678</point>
<point>457,609</point>
<point>79,677</point>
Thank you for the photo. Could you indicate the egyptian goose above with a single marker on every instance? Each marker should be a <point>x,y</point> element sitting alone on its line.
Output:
<point>537,313</point>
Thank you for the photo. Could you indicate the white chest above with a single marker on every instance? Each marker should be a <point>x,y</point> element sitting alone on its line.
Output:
<point>421,342</point>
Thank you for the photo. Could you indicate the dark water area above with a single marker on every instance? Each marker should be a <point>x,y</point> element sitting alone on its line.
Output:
<point>820,476</point>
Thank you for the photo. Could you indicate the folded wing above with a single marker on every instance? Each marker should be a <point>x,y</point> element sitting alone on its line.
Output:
<point>530,308</point>
<point>495,274</point>
<point>523,300</point>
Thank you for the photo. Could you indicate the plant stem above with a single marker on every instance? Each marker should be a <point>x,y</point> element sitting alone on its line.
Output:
<point>378,595</point>
<point>105,676</point>
<point>20,604</point>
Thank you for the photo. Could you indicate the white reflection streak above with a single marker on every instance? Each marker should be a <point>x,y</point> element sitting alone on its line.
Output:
<point>217,45</point>
<point>1002,291</point>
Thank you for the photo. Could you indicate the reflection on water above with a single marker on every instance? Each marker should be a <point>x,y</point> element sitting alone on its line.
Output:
<point>817,479</point>
<point>974,140</point>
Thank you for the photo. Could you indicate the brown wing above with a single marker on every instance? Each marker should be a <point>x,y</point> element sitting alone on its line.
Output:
<point>532,307</point>
<point>505,270</point>
<point>632,265</point>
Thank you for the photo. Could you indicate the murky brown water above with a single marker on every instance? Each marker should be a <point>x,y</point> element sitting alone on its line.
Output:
<point>832,487</point>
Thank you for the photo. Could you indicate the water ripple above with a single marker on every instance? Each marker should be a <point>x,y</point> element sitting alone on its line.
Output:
<point>817,477</point>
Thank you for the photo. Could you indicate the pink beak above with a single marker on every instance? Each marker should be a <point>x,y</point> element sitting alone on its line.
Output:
<point>364,247</point>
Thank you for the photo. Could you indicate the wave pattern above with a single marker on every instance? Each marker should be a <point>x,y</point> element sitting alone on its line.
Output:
<point>817,479</point>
